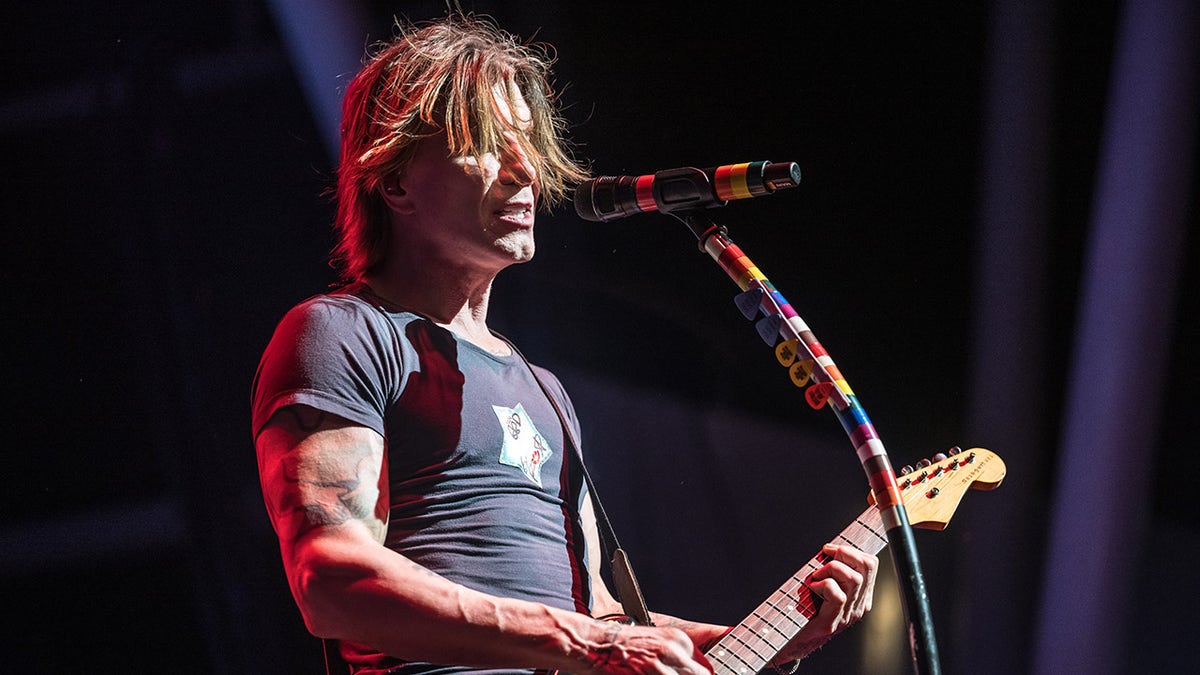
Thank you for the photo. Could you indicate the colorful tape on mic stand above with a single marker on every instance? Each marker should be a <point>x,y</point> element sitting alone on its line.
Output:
<point>828,384</point>
<point>811,367</point>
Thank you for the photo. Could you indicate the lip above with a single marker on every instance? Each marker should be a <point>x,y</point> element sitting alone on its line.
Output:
<point>518,213</point>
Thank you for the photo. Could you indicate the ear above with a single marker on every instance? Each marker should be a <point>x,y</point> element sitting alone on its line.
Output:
<point>395,196</point>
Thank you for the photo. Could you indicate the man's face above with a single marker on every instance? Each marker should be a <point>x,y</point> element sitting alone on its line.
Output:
<point>472,212</point>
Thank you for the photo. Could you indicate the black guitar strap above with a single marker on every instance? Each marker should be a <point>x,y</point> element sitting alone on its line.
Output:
<point>334,663</point>
<point>627,589</point>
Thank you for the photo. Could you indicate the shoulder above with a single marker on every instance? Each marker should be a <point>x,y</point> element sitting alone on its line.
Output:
<point>338,354</point>
<point>330,310</point>
<point>340,332</point>
<point>334,317</point>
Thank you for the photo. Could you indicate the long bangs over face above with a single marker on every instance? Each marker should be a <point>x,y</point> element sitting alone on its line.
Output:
<point>445,76</point>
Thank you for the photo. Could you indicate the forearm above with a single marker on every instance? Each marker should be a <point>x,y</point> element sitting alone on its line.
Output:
<point>324,486</point>
<point>381,599</point>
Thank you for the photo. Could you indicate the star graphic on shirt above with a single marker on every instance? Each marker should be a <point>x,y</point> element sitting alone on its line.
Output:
<point>524,447</point>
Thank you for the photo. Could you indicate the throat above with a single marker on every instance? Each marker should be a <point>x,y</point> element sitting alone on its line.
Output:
<point>481,337</point>
<point>461,314</point>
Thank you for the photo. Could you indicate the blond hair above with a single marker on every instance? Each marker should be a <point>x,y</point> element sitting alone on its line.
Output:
<point>439,77</point>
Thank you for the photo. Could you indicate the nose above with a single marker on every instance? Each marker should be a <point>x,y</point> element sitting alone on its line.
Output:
<point>515,165</point>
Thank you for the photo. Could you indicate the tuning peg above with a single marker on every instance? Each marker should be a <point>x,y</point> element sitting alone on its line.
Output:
<point>954,451</point>
<point>923,463</point>
<point>940,457</point>
<point>907,469</point>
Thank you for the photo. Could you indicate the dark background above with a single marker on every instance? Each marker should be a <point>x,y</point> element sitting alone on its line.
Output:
<point>164,184</point>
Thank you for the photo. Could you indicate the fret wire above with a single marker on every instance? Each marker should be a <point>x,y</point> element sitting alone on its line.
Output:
<point>743,669</point>
<point>856,544</point>
<point>882,539</point>
<point>801,593</point>
<point>739,651</point>
<point>797,624</point>
<point>765,629</point>
<point>793,603</point>
<point>792,620</point>
<point>812,605</point>
<point>786,611</point>
<point>724,658</point>
<point>758,656</point>
<point>782,594</point>
<point>739,643</point>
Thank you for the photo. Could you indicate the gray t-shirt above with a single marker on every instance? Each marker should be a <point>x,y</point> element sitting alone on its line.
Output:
<point>480,492</point>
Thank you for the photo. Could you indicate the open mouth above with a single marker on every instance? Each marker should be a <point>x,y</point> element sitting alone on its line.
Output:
<point>515,211</point>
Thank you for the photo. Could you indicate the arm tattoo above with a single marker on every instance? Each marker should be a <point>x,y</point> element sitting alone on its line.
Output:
<point>330,484</point>
<point>335,492</point>
<point>348,503</point>
<point>603,655</point>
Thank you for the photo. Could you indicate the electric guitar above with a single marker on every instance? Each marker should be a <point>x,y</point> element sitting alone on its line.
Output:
<point>931,494</point>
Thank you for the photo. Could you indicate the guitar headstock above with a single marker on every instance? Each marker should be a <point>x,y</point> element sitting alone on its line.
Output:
<point>933,489</point>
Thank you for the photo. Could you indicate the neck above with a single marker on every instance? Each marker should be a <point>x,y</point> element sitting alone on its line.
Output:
<point>453,298</point>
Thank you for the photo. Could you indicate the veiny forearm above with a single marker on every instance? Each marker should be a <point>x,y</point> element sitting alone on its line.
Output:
<point>325,489</point>
<point>324,481</point>
<point>381,599</point>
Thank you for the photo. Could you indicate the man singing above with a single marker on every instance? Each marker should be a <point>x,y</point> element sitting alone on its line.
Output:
<point>418,471</point>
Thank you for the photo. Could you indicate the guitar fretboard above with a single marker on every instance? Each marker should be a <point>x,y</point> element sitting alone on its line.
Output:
<point>759,638</point>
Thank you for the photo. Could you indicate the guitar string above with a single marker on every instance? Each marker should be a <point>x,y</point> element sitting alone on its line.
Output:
<point>745,640</point>
<point>767,620</point>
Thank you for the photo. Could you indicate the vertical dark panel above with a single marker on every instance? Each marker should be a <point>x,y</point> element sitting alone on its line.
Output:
<point>1122,341</point>
<point>1009,377</point>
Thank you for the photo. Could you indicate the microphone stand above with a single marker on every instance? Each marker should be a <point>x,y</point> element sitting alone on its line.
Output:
<point>809,362</point>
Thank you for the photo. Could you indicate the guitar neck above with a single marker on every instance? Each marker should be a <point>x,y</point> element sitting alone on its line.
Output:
<point>759,638</point>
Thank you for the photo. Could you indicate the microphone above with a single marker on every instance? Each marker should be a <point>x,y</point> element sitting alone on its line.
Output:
<point>611,197</point>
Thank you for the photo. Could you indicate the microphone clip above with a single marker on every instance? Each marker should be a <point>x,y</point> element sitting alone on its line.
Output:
<point>673,191</point>
<point>684,189</point>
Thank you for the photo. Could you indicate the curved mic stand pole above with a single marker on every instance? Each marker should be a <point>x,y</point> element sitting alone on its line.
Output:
<point>809,362</point>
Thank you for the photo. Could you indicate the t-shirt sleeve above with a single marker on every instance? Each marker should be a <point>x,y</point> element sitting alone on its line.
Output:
<point>333,354</point>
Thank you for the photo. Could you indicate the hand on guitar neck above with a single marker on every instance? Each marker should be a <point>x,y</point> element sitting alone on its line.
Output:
<point>831,592</point>
<point>776,630</point>
<point>842,586</point>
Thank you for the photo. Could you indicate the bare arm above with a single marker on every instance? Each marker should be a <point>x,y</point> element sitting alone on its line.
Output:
<point>324,483</point>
